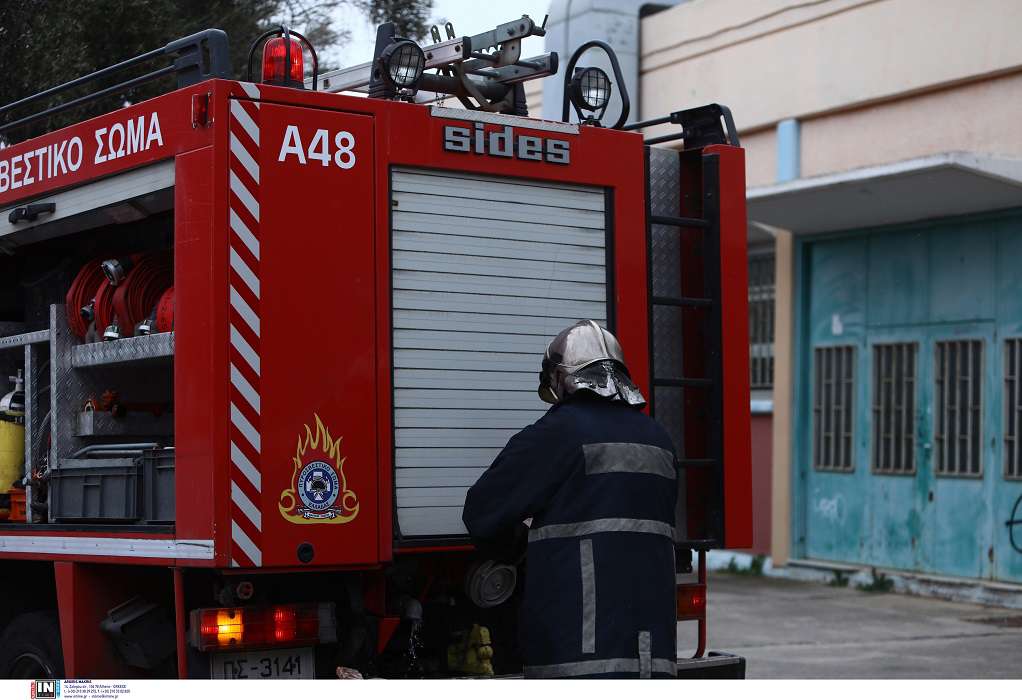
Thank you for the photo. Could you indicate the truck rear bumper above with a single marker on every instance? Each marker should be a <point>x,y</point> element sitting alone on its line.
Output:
<point>716,664</point>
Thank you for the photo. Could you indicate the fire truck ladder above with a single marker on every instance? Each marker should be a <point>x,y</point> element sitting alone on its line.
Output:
<point>683,238</point>
<point>484,71</point>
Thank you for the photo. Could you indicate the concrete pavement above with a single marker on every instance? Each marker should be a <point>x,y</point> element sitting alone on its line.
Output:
<point>793,629</point>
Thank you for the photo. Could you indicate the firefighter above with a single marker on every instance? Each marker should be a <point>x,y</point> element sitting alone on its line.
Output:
<point>598,479</point>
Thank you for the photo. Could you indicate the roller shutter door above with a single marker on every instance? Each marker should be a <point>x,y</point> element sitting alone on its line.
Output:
<point>485,271</point>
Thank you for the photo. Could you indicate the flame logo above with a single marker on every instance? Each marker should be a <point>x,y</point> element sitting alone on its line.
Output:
<point>318,451</point>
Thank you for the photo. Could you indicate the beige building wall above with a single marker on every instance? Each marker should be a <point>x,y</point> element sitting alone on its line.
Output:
<point>869,81</point>
<point>760,157</point>
<point>864,77</point>
<point>982,116</point>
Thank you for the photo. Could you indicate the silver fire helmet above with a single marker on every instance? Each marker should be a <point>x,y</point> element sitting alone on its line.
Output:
<point>587,357</point>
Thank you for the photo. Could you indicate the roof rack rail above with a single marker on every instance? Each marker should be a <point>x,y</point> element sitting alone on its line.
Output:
<point>198,57</point>
<point>700,126</point>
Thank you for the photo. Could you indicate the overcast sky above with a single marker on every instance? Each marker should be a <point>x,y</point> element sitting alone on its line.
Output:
<point>468,16</point>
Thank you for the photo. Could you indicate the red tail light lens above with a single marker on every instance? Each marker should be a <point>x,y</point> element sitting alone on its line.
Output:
<point>244,628</point>
<point>285,624</point>
<point>691,601</point>
<point>277,68</point>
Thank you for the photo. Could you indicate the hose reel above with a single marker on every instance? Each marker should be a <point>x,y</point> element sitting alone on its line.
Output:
<point>489,583</point>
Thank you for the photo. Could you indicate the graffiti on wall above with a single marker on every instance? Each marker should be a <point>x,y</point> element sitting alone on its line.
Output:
<point>1015,525</point>
<point>830,509</point>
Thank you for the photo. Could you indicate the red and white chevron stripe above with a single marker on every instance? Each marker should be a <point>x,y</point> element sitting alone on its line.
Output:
<point>243,277</point>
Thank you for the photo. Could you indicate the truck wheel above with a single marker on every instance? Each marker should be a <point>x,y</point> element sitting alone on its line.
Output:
<point>30,647</point>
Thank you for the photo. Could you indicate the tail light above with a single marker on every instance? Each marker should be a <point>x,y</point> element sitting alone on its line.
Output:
<point>302,624</point>
<point>283,62</point>
<point>691,601</point>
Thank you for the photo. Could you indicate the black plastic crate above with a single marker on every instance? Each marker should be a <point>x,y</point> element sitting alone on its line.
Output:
<point>95,489</point>
<point>158,486</point>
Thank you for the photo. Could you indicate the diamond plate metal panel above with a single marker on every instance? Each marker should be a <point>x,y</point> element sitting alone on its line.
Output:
<point>665,200</point>
<point>16,341</point>
<point>37,408</point>
<point>65,391</point>
<point>665,261</point>
<point>146,347</point>
<point>670,413</point>
<point>664,182</point>
<point>667,341</point>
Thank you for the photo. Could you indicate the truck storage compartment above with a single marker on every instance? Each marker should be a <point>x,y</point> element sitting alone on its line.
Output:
<point>110,373</point>
<point>112,393</point>
<point>98,364</point>
<point>485,271</point>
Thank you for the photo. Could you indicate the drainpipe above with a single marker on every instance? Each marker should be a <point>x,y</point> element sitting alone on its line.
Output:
<point>789,150</point>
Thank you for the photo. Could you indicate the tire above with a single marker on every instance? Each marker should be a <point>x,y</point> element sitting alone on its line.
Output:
<point>30,647</point>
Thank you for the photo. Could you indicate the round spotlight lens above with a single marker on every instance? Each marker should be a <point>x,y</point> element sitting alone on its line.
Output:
<point>405,62</point>
<point>593,88</point>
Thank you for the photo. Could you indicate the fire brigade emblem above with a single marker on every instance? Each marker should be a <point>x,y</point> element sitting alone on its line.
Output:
<point>319,492</point>
<point>317,486</point>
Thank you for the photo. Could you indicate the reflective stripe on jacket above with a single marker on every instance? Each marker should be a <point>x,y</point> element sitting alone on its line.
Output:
<point>599,480</point>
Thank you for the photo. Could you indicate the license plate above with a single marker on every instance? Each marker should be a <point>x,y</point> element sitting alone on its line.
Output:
<point>278,663</point>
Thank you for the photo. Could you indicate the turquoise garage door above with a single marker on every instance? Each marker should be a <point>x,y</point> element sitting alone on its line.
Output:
<point>909,402</point>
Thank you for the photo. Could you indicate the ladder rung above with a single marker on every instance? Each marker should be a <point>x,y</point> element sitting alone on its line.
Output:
<point>682,301</point>
<point>682,221</point>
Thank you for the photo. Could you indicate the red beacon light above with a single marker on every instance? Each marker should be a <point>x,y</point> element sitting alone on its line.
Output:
<point>283,63</point>
<point>284,58</point>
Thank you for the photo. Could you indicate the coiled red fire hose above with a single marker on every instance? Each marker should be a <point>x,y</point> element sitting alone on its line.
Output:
<point>135,298</point>
<point>165,312</point>
<point>80,295</point>
<point>104,308</point>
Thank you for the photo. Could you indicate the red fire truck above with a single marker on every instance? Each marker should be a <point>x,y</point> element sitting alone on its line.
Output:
<point>265,333</point>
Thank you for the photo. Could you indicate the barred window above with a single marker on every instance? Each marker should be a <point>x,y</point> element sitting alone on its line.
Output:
<point>894,408</point>
<point>1012,409</point>
<point>832,408</point>
<point>761,320</point>
<point>958,407</point>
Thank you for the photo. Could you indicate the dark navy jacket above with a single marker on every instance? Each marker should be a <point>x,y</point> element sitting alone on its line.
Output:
<point>599,480</point>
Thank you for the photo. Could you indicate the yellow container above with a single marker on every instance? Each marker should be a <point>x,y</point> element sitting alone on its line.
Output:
<point>12,453</point>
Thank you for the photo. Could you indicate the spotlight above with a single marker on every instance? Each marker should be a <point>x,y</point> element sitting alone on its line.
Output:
<point>590,91</point>
<point>404,63</point>
<point>592,87</point>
